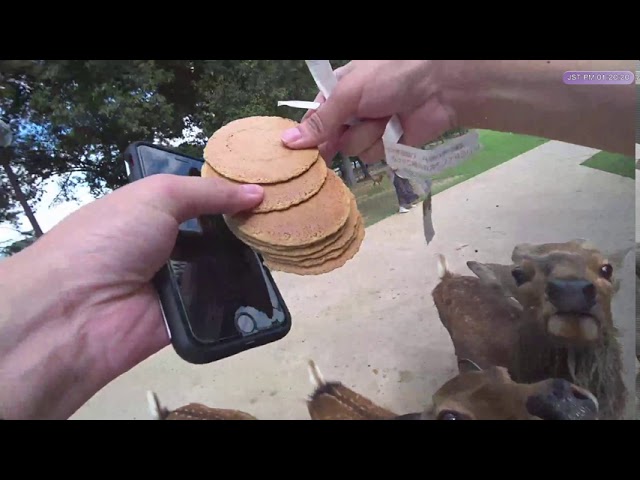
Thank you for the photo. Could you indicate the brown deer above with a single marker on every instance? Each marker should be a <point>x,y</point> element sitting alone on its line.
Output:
<point>473,395</point>
<point>192,411</point>
<point>547,315</point>
<point>377,179</point>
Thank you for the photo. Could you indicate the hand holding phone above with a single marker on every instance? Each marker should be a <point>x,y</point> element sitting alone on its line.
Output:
<point>217,297</point>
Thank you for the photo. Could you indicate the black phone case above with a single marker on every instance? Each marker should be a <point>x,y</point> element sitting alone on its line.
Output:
<point>183,341</point>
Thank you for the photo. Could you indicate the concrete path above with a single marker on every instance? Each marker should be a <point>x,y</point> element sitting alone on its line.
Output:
<point>372,323</point>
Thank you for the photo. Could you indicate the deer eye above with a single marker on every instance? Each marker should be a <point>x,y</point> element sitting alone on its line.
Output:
<point>606,271</point>
<point>519,276</point>
<point>448,415</point>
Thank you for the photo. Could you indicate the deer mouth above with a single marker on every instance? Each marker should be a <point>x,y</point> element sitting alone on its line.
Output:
<point>574,327</point>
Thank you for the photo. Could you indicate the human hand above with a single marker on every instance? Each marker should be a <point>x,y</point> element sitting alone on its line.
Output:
<point>373,91</point>
<point>77,308</point>
<point>430,97</point>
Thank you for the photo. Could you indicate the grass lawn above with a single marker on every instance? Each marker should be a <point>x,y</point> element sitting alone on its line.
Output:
<point>613,163</point>
<point>377,203</point>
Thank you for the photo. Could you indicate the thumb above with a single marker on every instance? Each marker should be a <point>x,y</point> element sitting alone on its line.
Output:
<point>327,120</point>
<point>190,197</point>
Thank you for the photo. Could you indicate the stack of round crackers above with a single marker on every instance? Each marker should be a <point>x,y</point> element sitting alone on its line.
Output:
<point>308,222</point>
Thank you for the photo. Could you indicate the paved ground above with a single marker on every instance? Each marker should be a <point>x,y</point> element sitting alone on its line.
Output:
<point>372,324</point>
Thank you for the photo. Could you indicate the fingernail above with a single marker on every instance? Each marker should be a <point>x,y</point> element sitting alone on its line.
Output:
<point>291,135</point>
<point>252,190</point>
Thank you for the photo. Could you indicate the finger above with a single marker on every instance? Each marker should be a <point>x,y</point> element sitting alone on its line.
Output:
<point>190,197</point>
<point>339,73</point>
<point>331,147</point>
<point>323,148</point>
<point>373,154</point>
<point>325,121</point>
<point>361,137</point>
<point>319,99</point>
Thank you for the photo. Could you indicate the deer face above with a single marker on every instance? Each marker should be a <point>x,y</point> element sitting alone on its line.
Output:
<point>491,394</point>
<point>569,290</point>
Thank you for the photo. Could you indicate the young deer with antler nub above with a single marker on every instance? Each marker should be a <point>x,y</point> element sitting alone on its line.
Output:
<point>474,394</point>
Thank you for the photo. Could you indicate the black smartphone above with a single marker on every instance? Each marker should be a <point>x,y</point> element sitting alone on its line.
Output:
<point>217,297</point>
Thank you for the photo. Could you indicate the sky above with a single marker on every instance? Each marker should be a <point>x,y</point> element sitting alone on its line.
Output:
<point>46,215</point>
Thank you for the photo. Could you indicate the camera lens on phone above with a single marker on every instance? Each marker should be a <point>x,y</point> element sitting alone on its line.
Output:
<point>245,323</point>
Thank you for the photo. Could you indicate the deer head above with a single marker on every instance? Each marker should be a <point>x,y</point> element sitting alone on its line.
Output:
<point>491,394</point>
<point>567,287</point>
<point>474,394</point>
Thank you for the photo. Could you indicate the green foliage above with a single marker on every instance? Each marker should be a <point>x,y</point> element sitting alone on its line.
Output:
<point>91,110</point>
<point>75,117</point>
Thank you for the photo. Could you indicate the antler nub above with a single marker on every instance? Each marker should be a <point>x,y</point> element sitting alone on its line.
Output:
<point>443,266</point>
<point>315,375</point>
<point>157,411</point>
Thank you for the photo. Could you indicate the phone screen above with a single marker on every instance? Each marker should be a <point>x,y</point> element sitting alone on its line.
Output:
<point>224,288</point>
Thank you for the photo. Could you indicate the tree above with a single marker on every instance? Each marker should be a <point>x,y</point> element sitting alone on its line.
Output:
<point>16,246</point>
<point>92,110</point>
<point>232,89</point>
<point>14,182</point>
<point>16,186</point>
<point>74,118</point>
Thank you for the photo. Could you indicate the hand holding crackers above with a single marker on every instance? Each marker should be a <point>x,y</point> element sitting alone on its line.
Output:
<point>308,222</point>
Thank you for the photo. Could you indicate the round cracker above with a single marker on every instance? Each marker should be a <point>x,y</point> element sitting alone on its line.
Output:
<point>320,259</point>
<point>325,267</point>
<point>280,196</point>
<point>332,250</point>
<point>294,251</point>
<point>332,242</point>
<point>303,224</point>
<point>250,150</point>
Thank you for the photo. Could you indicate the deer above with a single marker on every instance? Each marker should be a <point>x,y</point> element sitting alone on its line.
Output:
<point>377,179</point>
<point>546,315</point>
<point>474,394</point>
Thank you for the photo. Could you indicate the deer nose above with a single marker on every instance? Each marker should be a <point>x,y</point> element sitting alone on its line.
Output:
<point>561,400</point>
<point>571,295</point>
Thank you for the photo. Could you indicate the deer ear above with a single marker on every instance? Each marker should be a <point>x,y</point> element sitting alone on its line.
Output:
<point>496,275</point>
<point>621,260</point>
<point>618,258</point>
<point>466,365</point>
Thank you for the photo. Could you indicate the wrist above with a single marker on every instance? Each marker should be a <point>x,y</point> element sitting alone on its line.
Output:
<point>478,91</point>
<point>530,97</point>
<point>45,365</point>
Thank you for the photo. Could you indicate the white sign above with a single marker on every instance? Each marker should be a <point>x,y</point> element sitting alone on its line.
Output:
<point>420,164</point>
